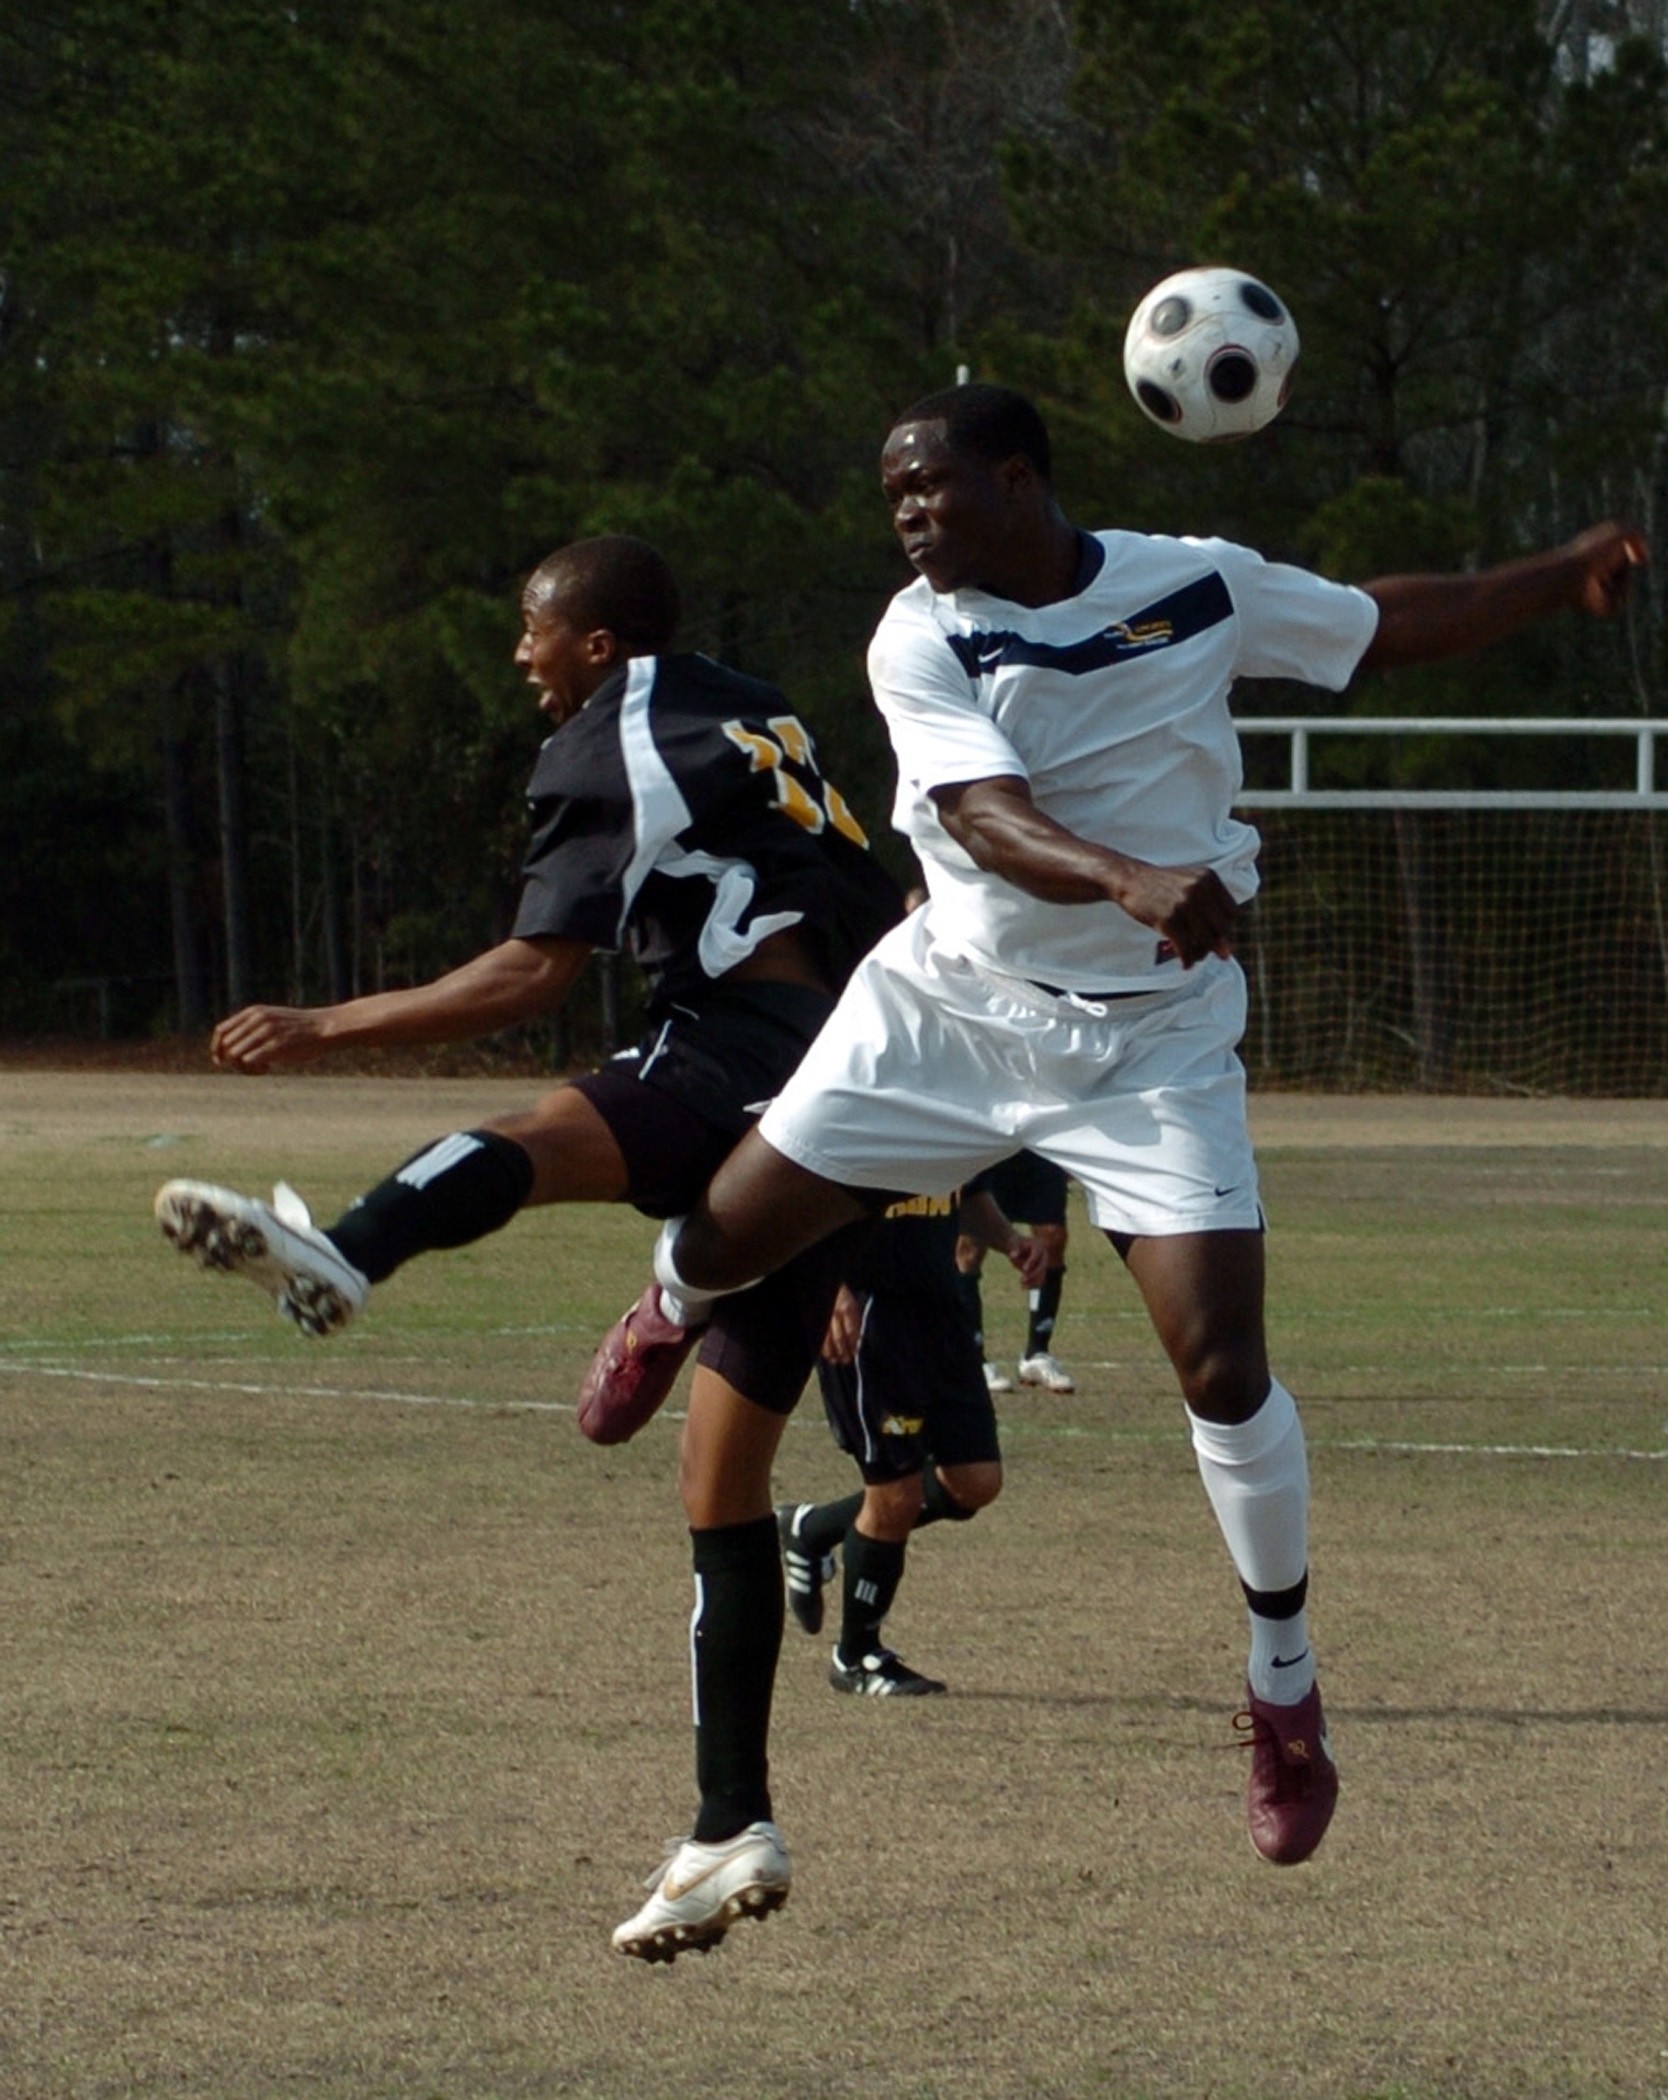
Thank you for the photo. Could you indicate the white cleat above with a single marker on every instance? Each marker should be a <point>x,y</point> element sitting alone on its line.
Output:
<point>702,1890</point>
<point>1046,1371</point>
<point>276,1245</point>
<point>997,1380</point>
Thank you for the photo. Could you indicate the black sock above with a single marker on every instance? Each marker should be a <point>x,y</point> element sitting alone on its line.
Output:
<point>822,1529</point>
<point>737,1638</point>
<point>938,1505</point>
<point>873,1570</point>
<point>1278,1604</point>
<point>456,1190</point>
<point>972,1302</point>
<point>1045,1310</point>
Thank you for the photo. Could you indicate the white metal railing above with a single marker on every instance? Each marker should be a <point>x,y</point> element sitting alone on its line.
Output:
<point>1302,730</point>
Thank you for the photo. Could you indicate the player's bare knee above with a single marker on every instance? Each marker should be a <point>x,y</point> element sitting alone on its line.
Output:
<point>972,1487</point>
<point>1225,1384</point>
<point>702,1253</point>
<point>576,1156</point>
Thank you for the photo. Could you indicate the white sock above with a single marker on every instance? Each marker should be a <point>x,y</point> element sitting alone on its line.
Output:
<point>1281,1668</point>
<point>1256,1474</point>
<point>681,1302</point>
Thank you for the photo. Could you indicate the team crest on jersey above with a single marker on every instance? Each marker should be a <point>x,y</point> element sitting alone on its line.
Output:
<point>1143,634</point>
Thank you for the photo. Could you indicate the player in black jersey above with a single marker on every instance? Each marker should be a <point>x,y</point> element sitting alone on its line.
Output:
<point>1033,1190</point>
<point>678,812</point>
<point>904,1390</point>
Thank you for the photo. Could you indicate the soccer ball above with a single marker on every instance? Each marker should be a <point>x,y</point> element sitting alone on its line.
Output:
<point>1209,354</point>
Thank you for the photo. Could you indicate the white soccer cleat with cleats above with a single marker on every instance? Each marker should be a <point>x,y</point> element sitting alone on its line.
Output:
<point>276,1245</point>
<point>702,1890</point>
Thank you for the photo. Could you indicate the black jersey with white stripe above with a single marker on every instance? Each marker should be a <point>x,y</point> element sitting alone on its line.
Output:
<point>681,816</point>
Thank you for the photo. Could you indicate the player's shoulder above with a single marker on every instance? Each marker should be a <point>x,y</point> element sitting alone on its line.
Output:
<point>1271,587</point>
<point>1194,570</point>
<point>1166,556</point>
<point>916,619</point>
<point>702,685</point>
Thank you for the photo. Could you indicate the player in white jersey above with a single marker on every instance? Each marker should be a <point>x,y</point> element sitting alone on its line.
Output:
<point>1058,703</point>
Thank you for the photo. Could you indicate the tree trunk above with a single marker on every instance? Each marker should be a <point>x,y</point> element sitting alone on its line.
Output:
<point>190,1002</point>
<point>338,968</point>
<point>229,679</point>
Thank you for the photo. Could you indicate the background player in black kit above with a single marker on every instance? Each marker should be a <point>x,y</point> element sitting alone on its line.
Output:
<point>1032,1190</point>
<point>677,811</point>
<point>904,1390</point>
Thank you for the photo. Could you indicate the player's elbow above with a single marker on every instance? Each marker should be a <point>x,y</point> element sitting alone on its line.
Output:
<point>534,977</point>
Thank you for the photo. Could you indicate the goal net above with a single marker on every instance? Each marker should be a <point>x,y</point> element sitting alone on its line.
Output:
<point>1507,943</point>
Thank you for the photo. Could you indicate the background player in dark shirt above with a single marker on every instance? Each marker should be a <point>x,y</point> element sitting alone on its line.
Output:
<point>1032,1190</point>
<point>904,1390</point>
<point>678,811</point>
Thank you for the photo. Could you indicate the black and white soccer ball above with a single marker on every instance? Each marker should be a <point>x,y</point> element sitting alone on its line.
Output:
<point>1209,354</point>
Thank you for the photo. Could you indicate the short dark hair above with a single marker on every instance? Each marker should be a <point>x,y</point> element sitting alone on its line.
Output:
<point>991,423</point>
<point>618,582</point>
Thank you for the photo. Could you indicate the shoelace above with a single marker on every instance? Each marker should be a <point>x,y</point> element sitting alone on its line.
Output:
<point>1298,1772</point>
<point>1246,1725</point>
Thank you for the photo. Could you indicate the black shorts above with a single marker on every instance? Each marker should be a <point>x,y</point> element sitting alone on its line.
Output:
<point>703,1076</point>
<point>767,1341</point>
<point>914,1394</point>
<point>1029,1190</point>
<point>676,1104</point>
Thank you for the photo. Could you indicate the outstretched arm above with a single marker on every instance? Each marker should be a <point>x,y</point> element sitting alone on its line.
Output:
<point>999,826</point>
<point>516,981</point>
<point>1422,619</point>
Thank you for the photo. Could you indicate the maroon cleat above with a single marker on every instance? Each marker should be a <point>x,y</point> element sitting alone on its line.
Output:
<point>1294,1783</point>
<point>635,1368</point>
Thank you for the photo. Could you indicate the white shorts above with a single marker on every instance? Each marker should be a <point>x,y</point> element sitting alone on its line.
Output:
<point>930,1069</point>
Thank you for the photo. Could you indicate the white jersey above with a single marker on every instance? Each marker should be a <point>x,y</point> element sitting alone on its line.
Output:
<point>1113,706</point>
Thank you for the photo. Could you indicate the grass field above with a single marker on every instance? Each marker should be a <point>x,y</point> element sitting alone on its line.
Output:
<point>344,1693</point>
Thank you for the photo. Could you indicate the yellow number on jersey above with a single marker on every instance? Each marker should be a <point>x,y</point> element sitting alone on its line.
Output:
<point>788,741</point>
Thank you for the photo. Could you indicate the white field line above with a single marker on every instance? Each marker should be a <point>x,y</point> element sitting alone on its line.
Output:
<point>173,1383</point>
<point>1373,1445</point>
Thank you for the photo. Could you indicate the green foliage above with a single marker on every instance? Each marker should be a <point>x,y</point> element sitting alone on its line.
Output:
<point>320,326</point>
<point>1378,524</point>
<point>1451,214</point>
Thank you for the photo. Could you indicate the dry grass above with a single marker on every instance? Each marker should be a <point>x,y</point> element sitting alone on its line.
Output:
<point>345,1698</point>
